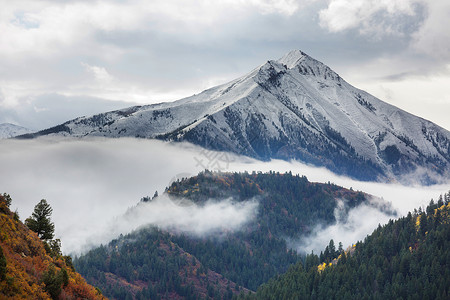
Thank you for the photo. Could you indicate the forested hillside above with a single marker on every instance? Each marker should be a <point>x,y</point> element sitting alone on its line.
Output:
<point>406,259</point>
<point>148,265</point>
<point>289,207</point>
<point>29,270</point>
<point>289,204</point>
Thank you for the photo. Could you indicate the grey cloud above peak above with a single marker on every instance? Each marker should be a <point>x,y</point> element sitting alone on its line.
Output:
<point>373,17</point>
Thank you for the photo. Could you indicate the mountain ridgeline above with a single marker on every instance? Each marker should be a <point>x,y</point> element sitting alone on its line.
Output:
<point>291,108</point>
<point>166,264</point>
<point>406,259</point>
<point>8,130</point>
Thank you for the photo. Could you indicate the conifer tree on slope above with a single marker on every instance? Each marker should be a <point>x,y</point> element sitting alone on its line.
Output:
<point>40,222</point>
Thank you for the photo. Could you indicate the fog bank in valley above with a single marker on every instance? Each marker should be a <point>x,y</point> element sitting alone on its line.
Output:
<point>91,183</point>
<point>212,218</point>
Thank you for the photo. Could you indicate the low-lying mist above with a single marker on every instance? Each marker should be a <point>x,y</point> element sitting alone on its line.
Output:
<point>91,183</point>
<point>355,225</point>
<point>177,216</point>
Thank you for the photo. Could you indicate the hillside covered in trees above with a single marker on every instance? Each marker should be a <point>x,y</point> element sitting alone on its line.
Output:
<point>148,265</point>
<point>162,264</point>
<point>405,259</point>
<point>31,270</point>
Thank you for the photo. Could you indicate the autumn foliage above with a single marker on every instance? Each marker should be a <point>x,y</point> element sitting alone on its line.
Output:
<point>27,271</point>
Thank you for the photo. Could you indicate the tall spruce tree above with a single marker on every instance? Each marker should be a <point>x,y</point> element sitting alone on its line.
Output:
<point>40,222</point>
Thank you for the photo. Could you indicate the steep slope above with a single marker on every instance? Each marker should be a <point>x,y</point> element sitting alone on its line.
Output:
<point>289,208</point>
<point>406,259</point>
<point>28,272</point>
<point>292,108</point>
<point>8,130</point>
<point>148,265</point>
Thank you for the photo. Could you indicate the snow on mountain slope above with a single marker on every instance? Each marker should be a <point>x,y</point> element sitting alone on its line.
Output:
<point>292,108</point>
<point>8,130</point>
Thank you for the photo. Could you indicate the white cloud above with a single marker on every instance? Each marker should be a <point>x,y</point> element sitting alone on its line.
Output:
<point>433,37</point>
<point>49,110</point>
<point>413,76</point>
<point>360,222</point>
<point>100,73</point>
<point>165,51</point>
<point>286,7</point>
<point>49,28</point>
<point>43,42</point>
<point>141,52</point>
<point>91,183</point>
<point>366,15</point>
<point>213,218</point>
<point>425,28</point>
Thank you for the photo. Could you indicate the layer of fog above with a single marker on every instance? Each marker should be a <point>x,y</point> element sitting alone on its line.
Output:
<point>90,183</point>
<point>176,216</point>
<point>354,226</point>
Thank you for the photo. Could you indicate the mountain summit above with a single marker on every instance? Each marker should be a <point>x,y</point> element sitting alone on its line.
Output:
<point>291,108</point>
<point>8,130</point>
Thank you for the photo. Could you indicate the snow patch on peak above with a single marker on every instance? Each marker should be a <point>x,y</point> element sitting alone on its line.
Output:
<point>292,58</point>
<point>8,130</point>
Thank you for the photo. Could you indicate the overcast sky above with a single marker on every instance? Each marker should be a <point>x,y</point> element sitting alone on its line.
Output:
<point>63,59</point>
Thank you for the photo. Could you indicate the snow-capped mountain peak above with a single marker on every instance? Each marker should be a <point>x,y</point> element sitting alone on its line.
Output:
<point>8,130</point>
<point>292,58</point>
<point>291,108</point>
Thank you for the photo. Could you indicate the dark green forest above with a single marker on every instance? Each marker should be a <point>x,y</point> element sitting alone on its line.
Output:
<point>289,207</point>
<point>405,259</point>
<point>148,265</point>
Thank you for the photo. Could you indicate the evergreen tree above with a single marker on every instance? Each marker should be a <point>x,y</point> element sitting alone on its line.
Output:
<point>404,259</point>
<point>54,281</point>
<point>7,198</point>
<point>40,221</point>
<point>332,248</point>
<point>2,265</point>
<point>340,248</point>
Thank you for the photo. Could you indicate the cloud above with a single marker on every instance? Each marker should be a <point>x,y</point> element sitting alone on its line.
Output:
<point>134,52</point>
<point>403,198</point>
<point>213,218</point>
<point>180,215</point>
<point>419,21</point>
<point>412,51</point>
<point>100,73</point>
<point>90,183</point>
<point>45,28</point>
<point>432,39</point>
<point>60,26</point>
<point>157,52</point>
<point>370,17</point>
<point>49,110</point>
<point>166,51</point>
<point>418,92</point>
<point>286,7</point>
<point>360,222</point>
